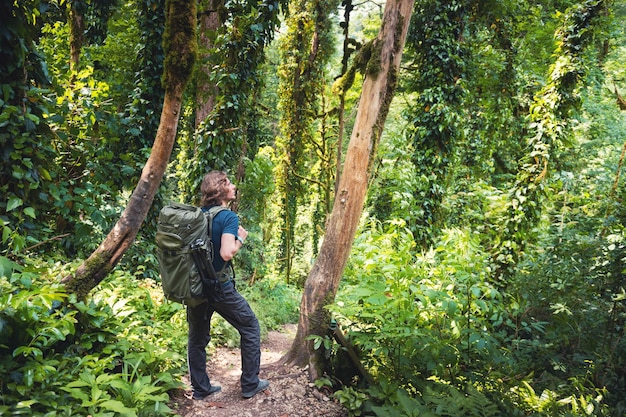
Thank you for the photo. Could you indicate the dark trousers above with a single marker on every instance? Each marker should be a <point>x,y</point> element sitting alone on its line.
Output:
<point>235,310</point>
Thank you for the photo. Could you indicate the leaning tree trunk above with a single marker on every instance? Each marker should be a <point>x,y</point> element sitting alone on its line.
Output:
<point>180,45</point>
<point>321,285</point>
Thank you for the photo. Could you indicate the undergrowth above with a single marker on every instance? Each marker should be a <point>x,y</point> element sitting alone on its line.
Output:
<point>439,339</point>
<point>121,352</point>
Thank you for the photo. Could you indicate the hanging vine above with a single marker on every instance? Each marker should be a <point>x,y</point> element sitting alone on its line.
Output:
<point>549,118</point>
<point>437,60</point>
<point>305,51</point>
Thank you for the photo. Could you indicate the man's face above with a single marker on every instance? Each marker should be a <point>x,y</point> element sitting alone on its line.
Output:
<point>231,192</point>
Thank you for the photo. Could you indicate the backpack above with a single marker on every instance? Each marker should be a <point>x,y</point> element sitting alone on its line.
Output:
<point>185,252</point>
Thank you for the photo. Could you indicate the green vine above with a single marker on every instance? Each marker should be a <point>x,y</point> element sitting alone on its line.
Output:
<point>305,52</point>
<point>27,157</point>
<point>228,133</point>
<point>550,126</point>
<point>438,60</point>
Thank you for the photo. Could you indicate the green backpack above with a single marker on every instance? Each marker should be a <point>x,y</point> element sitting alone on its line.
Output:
<point>185,252</point>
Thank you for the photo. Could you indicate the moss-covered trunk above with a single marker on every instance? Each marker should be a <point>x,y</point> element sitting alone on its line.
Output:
<point>378,89</point>
<point>206,90</point>
<point>180,45</point>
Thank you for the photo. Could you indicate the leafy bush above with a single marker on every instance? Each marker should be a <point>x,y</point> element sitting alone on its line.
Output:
<point>454,343</point>
<point>436,315</point>
<point>437,400</point>
<point>72,357</point>
<point>274,302</point>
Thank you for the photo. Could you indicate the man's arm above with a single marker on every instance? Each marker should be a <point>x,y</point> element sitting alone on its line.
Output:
<point>231,245</point>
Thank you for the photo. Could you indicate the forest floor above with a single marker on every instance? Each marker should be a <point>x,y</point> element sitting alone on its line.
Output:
<point>290,393</point>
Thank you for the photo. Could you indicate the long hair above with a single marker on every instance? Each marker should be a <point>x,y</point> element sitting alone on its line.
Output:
<point>214,188</point>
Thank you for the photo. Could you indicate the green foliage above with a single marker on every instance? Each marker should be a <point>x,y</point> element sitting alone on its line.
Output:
<point>549,403</point>
<point>437,400</point>
<point>83,190</point>
<point>305,51</point>
<point>351,399</point>
<point>27,157</point>
<point>274,302</point>
<point>255,215</point>
<point>434,118</point>
<point>231,132</point>
<point>412,322</point>
<point>66,190</point>
<point>76,358</point>
<point>549,127</point>
<point>436,327</point>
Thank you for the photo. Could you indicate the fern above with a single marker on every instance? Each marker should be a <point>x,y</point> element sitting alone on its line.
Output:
<point>440,400</point>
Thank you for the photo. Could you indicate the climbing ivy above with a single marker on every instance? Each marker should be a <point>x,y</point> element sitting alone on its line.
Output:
<point>229,132</point>
<point>27,155</point>
<point>305,51</point>
<point>549,128</point>
<point>437,62</point>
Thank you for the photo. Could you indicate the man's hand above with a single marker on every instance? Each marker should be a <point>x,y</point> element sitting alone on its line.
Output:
<point>242,233</point>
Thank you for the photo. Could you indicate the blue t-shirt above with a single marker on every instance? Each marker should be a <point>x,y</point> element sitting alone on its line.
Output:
<point>225,221</point>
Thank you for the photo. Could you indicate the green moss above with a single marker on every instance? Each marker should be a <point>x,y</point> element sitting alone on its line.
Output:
<point>89,275</point>
<point>374,62</point>
<point>360,63</point>
<point>180,43</point>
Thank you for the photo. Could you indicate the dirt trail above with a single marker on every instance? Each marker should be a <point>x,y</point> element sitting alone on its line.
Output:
<point>290,394</point>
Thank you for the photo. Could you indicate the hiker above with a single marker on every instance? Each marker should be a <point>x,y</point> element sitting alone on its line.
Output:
<point>228,238</point>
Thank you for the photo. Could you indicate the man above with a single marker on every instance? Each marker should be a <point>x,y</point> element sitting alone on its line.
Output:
<point>228,238</point>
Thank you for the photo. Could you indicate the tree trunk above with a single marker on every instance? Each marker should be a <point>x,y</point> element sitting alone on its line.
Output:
<point>378,89</point>
<point>77,31</point>
<point>180,49</point>
<point>206,91</point>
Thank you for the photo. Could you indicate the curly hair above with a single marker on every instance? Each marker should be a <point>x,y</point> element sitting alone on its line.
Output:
<point>214,188</point>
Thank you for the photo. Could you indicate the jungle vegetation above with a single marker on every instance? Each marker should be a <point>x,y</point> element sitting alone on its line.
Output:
<point>484,274</point>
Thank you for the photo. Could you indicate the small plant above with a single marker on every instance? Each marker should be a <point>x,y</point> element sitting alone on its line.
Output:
<point>324,382</point>
<point>352,400</point>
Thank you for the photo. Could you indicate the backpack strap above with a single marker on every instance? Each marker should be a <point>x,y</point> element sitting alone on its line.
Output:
<point>210,215</point>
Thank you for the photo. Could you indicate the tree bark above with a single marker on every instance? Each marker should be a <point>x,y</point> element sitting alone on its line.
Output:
<point>77,30</point>
<point>180,49</point>
<point>322,282</point>
<point>206,91</point>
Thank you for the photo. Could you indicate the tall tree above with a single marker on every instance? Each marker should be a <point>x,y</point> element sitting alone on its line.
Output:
<point>88,23</point>
<point>180,45</point>
<point>439,54</point>
<point>226,134</point>
<point>305,50</point>
<point>550,117</point>
<point>77,31</point>
<point>320,288</point>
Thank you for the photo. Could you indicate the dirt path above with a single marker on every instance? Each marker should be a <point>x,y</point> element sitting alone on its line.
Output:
<point>290,394</point>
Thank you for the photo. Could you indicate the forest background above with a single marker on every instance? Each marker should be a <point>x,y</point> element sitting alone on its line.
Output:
<point>486,277</point>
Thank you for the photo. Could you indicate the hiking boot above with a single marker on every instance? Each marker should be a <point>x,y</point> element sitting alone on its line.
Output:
<point>261,386</point>
<point>212,390</point>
